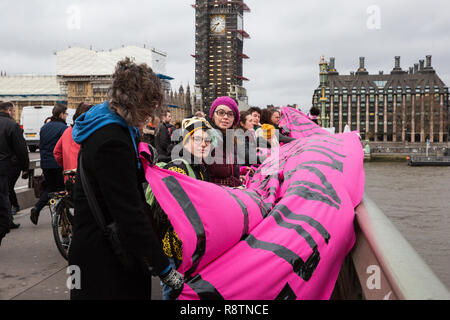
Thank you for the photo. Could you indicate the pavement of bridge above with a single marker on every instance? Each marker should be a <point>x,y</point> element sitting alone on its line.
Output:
<point>31,268</point>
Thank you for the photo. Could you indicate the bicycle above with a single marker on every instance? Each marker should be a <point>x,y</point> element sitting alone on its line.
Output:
<point>61,210</point>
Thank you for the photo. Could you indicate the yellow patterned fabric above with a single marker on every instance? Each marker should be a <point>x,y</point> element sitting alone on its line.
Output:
<point>178,169</point>
<point>175,246</point>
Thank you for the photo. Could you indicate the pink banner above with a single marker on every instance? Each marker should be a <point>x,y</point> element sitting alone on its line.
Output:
<point>283,237</point>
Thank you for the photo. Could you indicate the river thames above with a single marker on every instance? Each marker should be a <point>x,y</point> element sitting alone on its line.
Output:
<point>417,201</point>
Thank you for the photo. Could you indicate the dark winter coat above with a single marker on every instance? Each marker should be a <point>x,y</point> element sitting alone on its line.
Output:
<point>12,145</point>
<point>163,142</point>
<point>227,172</point>
<point>111,165</point>
<point>49,137</point>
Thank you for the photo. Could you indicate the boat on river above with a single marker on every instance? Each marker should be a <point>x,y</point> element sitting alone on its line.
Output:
<point>416,161</point>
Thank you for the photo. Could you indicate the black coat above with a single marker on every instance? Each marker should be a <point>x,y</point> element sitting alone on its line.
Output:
<point>12,144</point>
<point>49,136</point>
<point>110,163</point>
<point>163,142</point>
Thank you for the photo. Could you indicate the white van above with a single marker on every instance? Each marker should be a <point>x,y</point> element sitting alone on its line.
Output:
<point>32,120</point>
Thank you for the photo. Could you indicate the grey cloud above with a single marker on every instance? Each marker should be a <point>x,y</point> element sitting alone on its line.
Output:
<point>287,38</point>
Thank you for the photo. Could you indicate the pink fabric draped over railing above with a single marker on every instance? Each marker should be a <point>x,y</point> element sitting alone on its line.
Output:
<point>285,236</point>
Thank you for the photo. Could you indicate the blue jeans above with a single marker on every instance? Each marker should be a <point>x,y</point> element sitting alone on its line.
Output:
<point>166,290</point>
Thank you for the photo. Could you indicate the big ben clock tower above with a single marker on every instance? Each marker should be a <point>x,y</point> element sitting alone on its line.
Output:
<point>219,42</point>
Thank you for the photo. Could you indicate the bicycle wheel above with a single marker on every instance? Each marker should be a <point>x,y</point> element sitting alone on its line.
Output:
<point>62,229</point>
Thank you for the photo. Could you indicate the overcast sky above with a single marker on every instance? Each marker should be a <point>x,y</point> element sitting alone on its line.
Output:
<point>287,37</point>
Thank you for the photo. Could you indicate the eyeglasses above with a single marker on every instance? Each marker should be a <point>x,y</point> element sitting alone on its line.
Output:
<point>222,113</point>
<point>199,140</point>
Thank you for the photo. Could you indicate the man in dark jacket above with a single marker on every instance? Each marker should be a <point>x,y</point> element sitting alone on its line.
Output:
<point>49,136</point>
<point>163,139</point>
<point>12,144</point>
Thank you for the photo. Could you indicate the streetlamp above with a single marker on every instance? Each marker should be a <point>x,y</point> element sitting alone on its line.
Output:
<point>323,99</point>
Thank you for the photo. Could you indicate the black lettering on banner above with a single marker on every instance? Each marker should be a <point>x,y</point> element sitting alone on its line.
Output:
<point>298,228</point>
<point>264,207</point>
<point>303,269</point>
<point>324,141</point>
<point>244,212</point>
<point>287,293</point>
<point>204,289</point>
<point>323,134</point>
<point>327,149</point>
<point>286,212</point>
<point>309,194</point>
<point>191,213</point>
<point>329,190</point>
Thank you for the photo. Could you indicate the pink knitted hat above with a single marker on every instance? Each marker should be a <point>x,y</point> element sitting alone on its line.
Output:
<point>229,102</point>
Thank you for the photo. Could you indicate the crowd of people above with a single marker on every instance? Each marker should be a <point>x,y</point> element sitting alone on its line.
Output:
<point>102,145</point>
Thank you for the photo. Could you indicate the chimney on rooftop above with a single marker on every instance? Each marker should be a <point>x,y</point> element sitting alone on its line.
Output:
<point>332,67</point>
<point>421,62</point>
<point>411,70</point>
<point>397,62</point>
<point>428,62</point>
<point>331,63</point>
<point>416,67</point>
<point>397,69</point>
<point>362,67</point>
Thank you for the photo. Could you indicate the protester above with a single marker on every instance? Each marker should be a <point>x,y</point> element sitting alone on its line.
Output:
<point>246,142</point>
<point>12,144</point>
<point>270,120</point>
<point>314,114</point>
<point>163,138</point>
<point>108,135</point>
<point>66,150</point>
<point>178,125</point>
<point>148,132</point>
<point>256,116</point>
<point>196,144</point>
<point>49,135</point>
<point>200,114</point>
<point>224,114</point>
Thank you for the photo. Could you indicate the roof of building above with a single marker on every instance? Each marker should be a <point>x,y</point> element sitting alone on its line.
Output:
<point>387,81</point>
<point>29,85</point>
<point>85,62</point>
<point>420,80</point>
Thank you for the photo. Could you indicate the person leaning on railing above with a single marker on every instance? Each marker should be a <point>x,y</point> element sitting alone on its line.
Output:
<point>109,134</point>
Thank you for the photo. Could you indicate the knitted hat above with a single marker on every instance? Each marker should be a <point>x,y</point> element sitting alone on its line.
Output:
<point>230,103</point>
<point>191,125</point>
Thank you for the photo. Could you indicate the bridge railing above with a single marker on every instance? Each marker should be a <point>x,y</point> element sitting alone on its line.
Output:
<point>383,265</point>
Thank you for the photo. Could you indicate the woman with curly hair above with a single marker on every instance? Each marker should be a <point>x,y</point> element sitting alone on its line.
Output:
<point>108,134</point>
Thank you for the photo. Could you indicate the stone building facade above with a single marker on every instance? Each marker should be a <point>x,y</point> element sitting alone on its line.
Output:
<point>403,106</point>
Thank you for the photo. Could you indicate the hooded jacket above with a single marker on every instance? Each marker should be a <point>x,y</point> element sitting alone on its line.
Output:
<point>111,165</point>
<point>49,136</point>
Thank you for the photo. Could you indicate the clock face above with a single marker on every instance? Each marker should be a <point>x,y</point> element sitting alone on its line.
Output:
<point>217,24</point>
